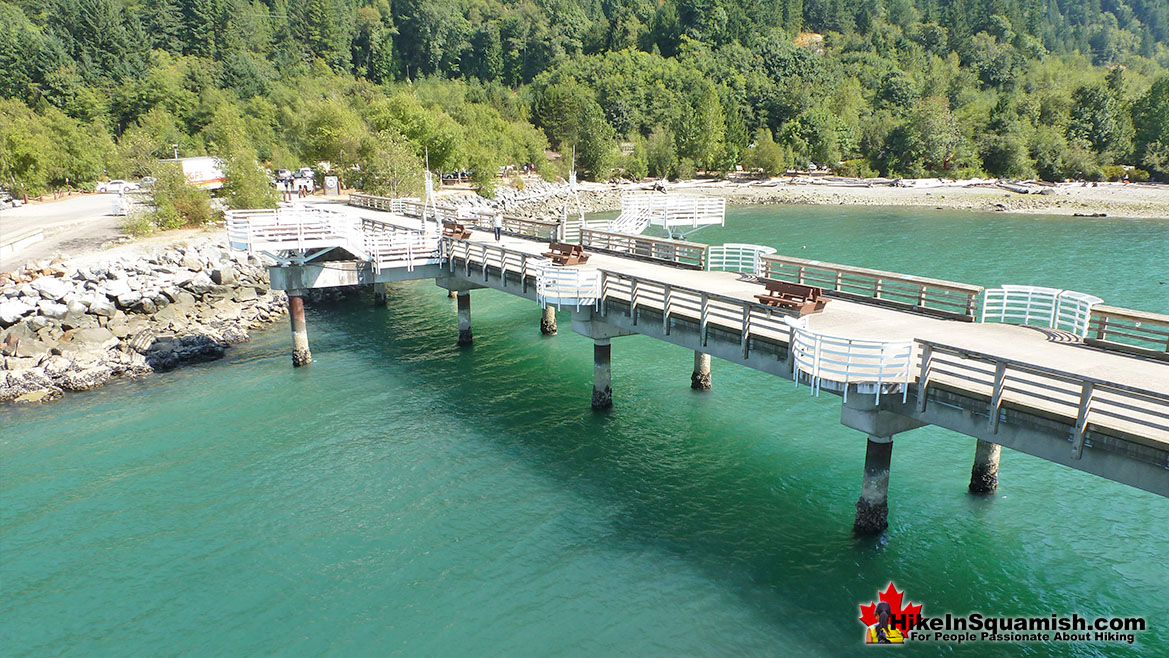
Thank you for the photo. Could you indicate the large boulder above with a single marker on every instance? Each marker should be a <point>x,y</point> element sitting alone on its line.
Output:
<point>92,338</point>
<point>223,275</point>
<point>51,287</point>
<point>52,310</point>
<point>102,307</point>
<point>12,310</point>
<point>200,285</point>
<point>85,378</point>
<point>129,299</point>
<point>116,288</point>
<point>145,306</point>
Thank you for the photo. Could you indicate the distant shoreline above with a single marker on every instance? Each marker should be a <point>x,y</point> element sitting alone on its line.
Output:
<point>1141,201</point>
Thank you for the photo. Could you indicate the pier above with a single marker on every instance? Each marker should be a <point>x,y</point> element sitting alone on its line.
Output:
<point>1054,374</point>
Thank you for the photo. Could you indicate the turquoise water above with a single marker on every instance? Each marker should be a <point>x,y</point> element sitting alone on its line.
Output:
<point>405,497</point>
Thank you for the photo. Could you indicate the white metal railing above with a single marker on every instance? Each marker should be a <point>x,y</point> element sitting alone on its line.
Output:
<point>295,229</point>
<point>568,286</point>
<point>389,245</point>
<point>297,234</point>
<point>1038,306</point>
<point>835,362</point>
<point>388,204</point>
<point>632,222</point>
<point>735,257</point>
<point>676,210</point>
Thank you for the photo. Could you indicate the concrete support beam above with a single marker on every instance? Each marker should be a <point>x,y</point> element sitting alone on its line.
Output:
<point>300,352</point>
<point>602,374</point>
<point>700,378</point>
<point>872,510</point>
<point>548,321</point>
<point>379,294</point>
<point>984,476</point>
<point>464,303</point>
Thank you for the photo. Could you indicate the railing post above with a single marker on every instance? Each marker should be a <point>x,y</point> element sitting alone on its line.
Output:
<point>666,309</point>
<point>746,329</point>
<point>927,353</point>
<point>1102,327</point>
<point>633,301</point>
<point>702,318</point>
<point>1081,429</point>
<point>996,400</point>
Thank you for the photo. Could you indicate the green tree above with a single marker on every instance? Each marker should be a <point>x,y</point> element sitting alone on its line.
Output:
<point>1094,119</point>
<point>596,151</point>
<point>661,158</point>
<point>325,30</point>
<point>765,155</point>
<point>1150,118</point>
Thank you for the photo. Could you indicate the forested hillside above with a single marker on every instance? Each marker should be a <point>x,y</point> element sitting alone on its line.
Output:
<point>1017,88</point>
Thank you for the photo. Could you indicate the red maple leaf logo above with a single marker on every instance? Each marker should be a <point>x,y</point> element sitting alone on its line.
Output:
<point>893,598</point>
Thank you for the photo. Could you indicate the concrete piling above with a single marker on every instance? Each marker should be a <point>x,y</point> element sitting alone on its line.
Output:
<point>300,352</point>
<point>548,321</point>
<point>872,510</point>
<point>602,374</point>
<point>464,303</point>
<point>700,378</point>
<point>984,476</point>
<point>379,294</point>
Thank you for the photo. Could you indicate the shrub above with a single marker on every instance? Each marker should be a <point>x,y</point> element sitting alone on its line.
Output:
<point>177,204</point>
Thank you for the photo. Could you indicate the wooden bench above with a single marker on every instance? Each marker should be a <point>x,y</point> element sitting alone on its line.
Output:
<point>563,253</point>
<point>794,296</point>
<point>455,230</point>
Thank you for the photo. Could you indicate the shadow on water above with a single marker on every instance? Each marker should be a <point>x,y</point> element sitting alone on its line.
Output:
<point>730,482</point>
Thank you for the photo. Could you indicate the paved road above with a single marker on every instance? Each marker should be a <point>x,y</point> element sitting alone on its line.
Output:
<point>71,225</point>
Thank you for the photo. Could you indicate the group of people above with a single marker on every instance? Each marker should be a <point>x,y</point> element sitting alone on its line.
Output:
<point>290,186</point>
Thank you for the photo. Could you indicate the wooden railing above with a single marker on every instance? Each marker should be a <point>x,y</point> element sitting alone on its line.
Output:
<point>1126,330</point>
<point>947,299</point>
<point>1085,402</point>
<point>678,252</point>
<point>671,303</point>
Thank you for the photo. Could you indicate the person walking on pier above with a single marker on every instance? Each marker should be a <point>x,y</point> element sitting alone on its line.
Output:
<point>497,224</point>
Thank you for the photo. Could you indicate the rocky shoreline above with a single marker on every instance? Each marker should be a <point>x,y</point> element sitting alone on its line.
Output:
<point>543,200</point>
<point>70,326</point>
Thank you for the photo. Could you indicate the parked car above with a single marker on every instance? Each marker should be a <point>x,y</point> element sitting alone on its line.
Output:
<point>147,183</point>
<point>117,186</point>
<point>283,174</point>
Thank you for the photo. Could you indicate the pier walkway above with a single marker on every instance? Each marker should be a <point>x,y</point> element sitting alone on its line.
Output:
<point>898,365</point>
